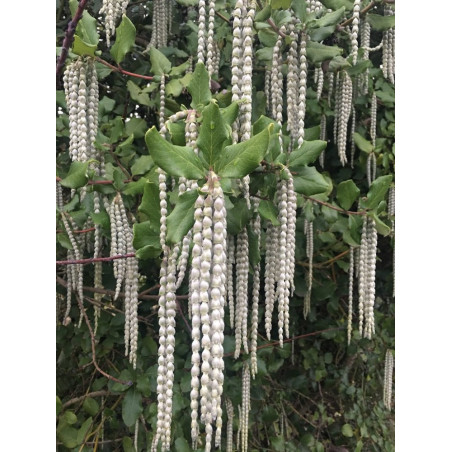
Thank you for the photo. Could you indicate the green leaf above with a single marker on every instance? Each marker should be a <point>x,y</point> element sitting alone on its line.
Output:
<point>254,253</point>
<point>330,18</point>
<point>68,436</point>
<point>127,444</point>
<point>307,153</point>
<point>90,406</point>
<point>381,227</point>
<point>338,63</point>
<point>381,23</point>
<point>300,9</point>
<point>268,211</point>
<point>80,47</point>
<point>181,445</point>
<point>237,217</point>
<point>377,191</point>
<point>263,14</point>
<point>262,124</point>
<point>267,37</point>
<point>347,430</point>
<point>310,182</point>
<point>238,160</point>
<point>131,407</point>
<point>142,165</point>
<point>138,95</point>
<point>160,65</point>
<point>319,34</point>
<point>174,88</point>
<point>83,430</point>
<point>230,112</point>
<point>283,4</point>
<point>59,405</point>
<point>317,52</point>
<point>150,205</point>
<point>347,193</point>
<point>336,4</point>
<point>125,39</point>
<point>86,27</point>
<point>362,143</point>
<point>199,87</point>
<point>175,160</point>
<point>77,176</point>
<point>181,219</point>
<point>146,240</point>
<point>212,133</point>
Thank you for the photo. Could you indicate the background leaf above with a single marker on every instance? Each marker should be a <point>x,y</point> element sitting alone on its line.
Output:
<point>131,407</point>
<point>125,39</point>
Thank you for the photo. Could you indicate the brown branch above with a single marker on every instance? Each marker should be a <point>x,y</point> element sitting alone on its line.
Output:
<point>83,397</point>
<point>363,12</point>
<point>122,71</point>
<point>95,259</point>
<point>82,231</point>
<point>329,261</point>
<point>69,37</point>
<point>348,212</point>
<point>273,25</point>
<point>99,182</point>
<point>222,17</point>
<point>93,347</point>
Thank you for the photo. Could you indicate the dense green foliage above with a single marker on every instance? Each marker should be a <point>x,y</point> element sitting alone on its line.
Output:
<point>316,393</point>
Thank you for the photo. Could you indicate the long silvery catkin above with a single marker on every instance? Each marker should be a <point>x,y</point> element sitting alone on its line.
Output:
<point>237,63</point>
<point>387,384</point>
<point>272,247</point>
<point>112,9</point>
<point>350,296</point>
<point>241,298</point>
<point>303,75</point>
<point>292,83</point>
<point>355,30</point>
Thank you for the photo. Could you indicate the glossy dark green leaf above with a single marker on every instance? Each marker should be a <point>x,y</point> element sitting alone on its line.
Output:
<point>381,227</point>
<point>336,4</point>
<point>142,165</point>
<point>199,87</point>
<point>138,95</point>
<point>267,37</point>
<point>319,34</point>
<point>160,65</point>
<point>86,27</point>
<point>230,113</point>
<point>137,127</point>
<point>125,39</point>
<point>317,52</point>
<point>347,193</point>
<point>77,176</point>
<point>131,407</point>
<point>268,211</point>
<point>150,205</point>
<point>181,219</point>
<point>238,160</point>
<point>362,143</point>
<point>146,240</point>
<point>175,160</point>
<point>263,14</point>
<point>377,191</point>
<point>338,63</point>
<point>254,254</point>
<point>307,153</point>
<point>68,436</point>
<point>299,7</point>
<point>331,18</point>
<point>381,23</point>
<point>310,182</point>
<point>212,134</point>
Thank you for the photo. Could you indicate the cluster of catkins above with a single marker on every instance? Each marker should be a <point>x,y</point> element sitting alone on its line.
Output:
<point>112,9</point>
<point>125,272</point>
<point>161,23</point>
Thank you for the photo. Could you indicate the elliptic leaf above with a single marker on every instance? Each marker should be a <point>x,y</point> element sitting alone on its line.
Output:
<point>347,430</point>
<point>307,153</point>
<point>330,18</point>
<point>268,211</point>
<point>82,48</point>
<point>144,236</point>
<point>181,219</point>
<point>199,86</point>
<point>150,206</point>
<point>238,160</point>
<point>310,182</point>
<point>317,52</point>
<point>181,445</point>
<point>381,23</point>
<point>347,193</point>
<point>377,191</point>
<point>362,143</point>
<point>238,217</point>
<point>230,112</point>
<point>131,407</point>
<point>77,176</point>
<point>138,95</point>
<point>125,39</point>
<point>178,161</point>
<point>90,406</point>
<point>212,133</point>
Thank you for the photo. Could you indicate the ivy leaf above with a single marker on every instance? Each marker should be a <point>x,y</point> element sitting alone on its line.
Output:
<point>131,407</point>
<point>238,160</point>
<point>160,65</point>
<point>310,182</point>
<point>77,176</point>
<point>362,143</point>
<point>306,153</point>
<point>381,23</point>
<point>347,194</point>
<point>175,160</point>
<point>150,205</point>
<point>181,219</point>
<point>125,39</point>
<point>377,191</point>
<point>268,211</point>
<point>138,95</point>
<point>317,52</point>
<point>212,133</point>
<point>199,86</point>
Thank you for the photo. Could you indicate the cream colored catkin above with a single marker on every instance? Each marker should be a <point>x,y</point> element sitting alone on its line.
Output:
<point>210,41</point>
<point>292,83</point>
<point>363,273</point>
<point>389,49</point>
<point>256,226</point>
<point>230,278</point>
<point>355,30</point>
<point>372,239</point>
<point>388,376</point>
<point>350,296</point>
<point>230,426</point>
<point>302,88</point>
<point>373,119</point>
<point>245,406</point>
<point>112,9</point>
<point>241,311</point>
<point>309,232</point>
<point>391,213</point>
<point>272,246</point>
<point>237,62</point>
<point>201,52</point>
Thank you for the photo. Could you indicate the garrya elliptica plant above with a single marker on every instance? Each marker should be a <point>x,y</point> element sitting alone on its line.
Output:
<point>225,180</point>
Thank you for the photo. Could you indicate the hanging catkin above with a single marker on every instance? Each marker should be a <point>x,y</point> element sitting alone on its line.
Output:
<point>112,9</point>
<point>387,384</point>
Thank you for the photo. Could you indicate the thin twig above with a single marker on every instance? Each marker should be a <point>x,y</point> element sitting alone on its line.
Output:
<point>122,71</point>
<point>323,203</point>
<point>93,347</point>
<point>69,37</point>
<point>83,397</point>
<point>364,11</point>
<point>95,259</point>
